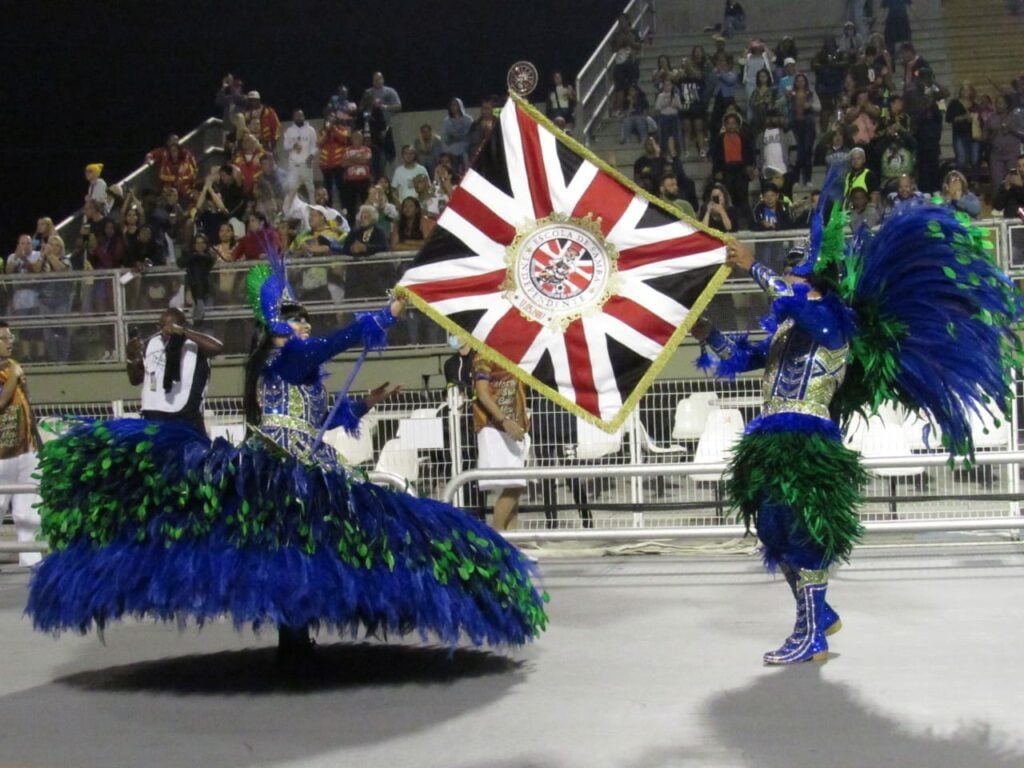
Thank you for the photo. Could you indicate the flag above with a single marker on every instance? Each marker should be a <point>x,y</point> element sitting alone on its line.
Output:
<point>555,266</point>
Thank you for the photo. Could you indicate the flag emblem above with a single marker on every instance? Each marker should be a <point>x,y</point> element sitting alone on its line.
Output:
<point>553,265</point>
<point>559,270</point>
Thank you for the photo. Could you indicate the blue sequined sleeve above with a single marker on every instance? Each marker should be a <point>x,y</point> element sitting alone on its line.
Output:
<point>299,360</point>
<point>733,354</point>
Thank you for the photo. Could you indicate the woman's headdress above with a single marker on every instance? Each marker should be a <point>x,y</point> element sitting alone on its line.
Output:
<point>268,289</point>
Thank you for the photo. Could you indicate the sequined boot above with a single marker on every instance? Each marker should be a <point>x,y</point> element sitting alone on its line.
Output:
<point>808,640</point>
<point>830,620</point>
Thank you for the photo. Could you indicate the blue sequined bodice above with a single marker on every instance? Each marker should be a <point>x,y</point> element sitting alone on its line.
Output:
<point>293,413</point>
<point>801,374</point>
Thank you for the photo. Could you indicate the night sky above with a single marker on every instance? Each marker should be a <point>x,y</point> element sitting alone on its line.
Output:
<point>106,81</point>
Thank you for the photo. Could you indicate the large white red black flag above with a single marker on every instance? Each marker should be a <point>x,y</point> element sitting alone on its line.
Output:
<point>554,265</point>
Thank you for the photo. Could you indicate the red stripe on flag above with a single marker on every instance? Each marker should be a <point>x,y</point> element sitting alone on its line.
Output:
<point>440,290</point>
<point>641,255</point>
<point>513,334</point>
<point>640,319</point>
<point>605,198</point>
<point>480,216</point>
<point>533,159</point>
<point>582,375</point>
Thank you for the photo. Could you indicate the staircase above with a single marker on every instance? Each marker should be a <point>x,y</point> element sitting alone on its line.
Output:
<point>984,40</point>
<point>679,28</point>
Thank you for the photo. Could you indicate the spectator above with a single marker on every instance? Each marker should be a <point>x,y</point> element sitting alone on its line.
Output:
<point>650,166</point>
<point>962,114</point>
<point>55,297</point>
<point>723,92</point>
<point>668,192</point>
<point>862,212</point>
<point>787,76</point>
<point>357,160</point>
<point>760,101</point>
<point>340,107</point>
<point>859,175</point>
<point>25,260</point>
<point>667,106</point>
<point>756,60</point>
<point>957,196</point>
<point>897,23</point>
<point>430,201</point>
<point>173,368</point>
<point>385,203</point>
<point>803,208</point>
<point>862,117</point>
<point>299,210</point>
<point>231,100</point>
<point>856,18</point>
<point>170,223</point>
<point>482,126</point>
<point>403,175</point>
<point>500,421</point>
<point>1009,197</point>
<point>141,253</point>
<point>428,148</point>
<point>803,105</point>
<point>851,42</point>
<point>19,441</point>
<point>561,100</point>
<point>270,187</point>
<point>923,98</point>
<point>367,239</point>
<point>333,139</point>
<point>771,213</point>
<point>197,261</point>
<point>635,122</point>
<point>896,146</point>
<point>913,64</point>
<point>829,72</point>
<point>732,161</point>
<point>259,235</point>
<point>248,163</point>
<point>300,141</point>
<point>409,232</point>
<point>1004,131</point>
<point>692,88</point>
<point>717,211</point>
<point>110,247</point>
<point>44,231</point>
<point>229,187</point>
<point>444,184</point>
<point>97,186</point>
<point>786,49</point>
<point>626,63</point>
<point>734,19</point>
<point>385,98</point>
<point>176,167</point>
<point>904,198</point>
<point>261,121</point>
<point>209,212</point>
<point>131,222</point>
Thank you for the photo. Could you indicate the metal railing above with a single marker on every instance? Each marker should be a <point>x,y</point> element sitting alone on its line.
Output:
<point>593,85</point>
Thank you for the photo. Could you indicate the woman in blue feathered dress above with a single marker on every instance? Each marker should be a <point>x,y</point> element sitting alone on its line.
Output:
<point>148,519</point>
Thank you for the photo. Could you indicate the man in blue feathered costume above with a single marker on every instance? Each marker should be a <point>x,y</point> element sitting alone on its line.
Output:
<point>918,316</point>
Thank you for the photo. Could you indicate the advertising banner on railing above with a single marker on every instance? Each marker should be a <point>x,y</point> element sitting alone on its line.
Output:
<point>552,264</point>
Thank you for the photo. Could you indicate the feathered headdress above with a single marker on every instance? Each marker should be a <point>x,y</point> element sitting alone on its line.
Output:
<point>825,238</point>
<point>267,289</point>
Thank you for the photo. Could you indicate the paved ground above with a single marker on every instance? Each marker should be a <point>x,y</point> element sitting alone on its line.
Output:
<point>651,662</point>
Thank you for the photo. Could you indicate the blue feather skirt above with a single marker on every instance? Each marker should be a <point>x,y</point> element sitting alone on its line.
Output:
<point>154,520</point>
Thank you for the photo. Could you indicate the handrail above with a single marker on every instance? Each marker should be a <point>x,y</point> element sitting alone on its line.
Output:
<point>592,98</point>
<point>188,139</point>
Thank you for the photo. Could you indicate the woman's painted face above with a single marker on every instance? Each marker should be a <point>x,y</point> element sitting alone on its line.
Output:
<point>300,327</point>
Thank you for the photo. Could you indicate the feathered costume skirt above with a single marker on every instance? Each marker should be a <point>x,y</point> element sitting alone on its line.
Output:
<point>148,519</point>
<point>795,481</point>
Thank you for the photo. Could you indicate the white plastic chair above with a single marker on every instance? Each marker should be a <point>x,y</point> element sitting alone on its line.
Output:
<point>722,431</point>
<point>399,459</point>
<point>885,438</point>
<point>987,435</point>
<point>594,443</point>
<point>353,450</point>
<point>233,433</point>
<point>692,414</point>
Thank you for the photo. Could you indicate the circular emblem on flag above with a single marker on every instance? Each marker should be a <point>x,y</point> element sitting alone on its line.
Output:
<point>560,268</point>
<point>522,78</point>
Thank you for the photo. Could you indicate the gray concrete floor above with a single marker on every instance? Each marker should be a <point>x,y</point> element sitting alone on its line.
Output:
<point>650,662</point>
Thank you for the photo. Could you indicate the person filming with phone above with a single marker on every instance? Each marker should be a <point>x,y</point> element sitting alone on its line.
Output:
<point>173,367</point>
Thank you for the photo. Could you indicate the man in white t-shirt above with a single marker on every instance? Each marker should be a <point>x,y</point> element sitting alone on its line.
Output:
<point>401,179</point>
<point>173,368</point>
<point>300,142</point>
<point>25,298</point>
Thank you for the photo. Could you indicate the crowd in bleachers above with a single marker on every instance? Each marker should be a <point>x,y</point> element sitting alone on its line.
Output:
<point>744,115</point>
<point>865,103</point>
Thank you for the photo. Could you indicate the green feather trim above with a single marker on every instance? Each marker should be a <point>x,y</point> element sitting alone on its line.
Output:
<point>819,478</point>
<point>254,281</point>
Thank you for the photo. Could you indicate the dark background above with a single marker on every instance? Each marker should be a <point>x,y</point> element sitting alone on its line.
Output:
<point>92,81</point>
